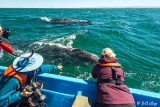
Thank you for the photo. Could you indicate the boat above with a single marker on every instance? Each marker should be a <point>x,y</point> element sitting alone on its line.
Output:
<point>62,91</point>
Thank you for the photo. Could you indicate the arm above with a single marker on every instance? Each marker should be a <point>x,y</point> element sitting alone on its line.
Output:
<point>94,74</point>
<point>17,96</point>
<point>10,92</point>
<point>46,68</point>
<point>124,74</point>
<point>11,99</point>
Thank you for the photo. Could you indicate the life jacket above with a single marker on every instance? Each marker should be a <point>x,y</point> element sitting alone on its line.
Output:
<point>116,64</point>
<point>11,72</point>
<point>116,76</point>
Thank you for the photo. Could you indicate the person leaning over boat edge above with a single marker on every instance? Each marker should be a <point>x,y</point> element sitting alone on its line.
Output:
<point>20,73</point>
<point>4,33</point>
<point>111,90</point>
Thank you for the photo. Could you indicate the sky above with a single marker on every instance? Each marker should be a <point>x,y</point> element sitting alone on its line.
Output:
<point>78,3</point>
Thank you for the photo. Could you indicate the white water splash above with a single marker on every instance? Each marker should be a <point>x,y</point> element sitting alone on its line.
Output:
<point>65,42</point>
<point>85,75</point>
<point>1,53</point>
<point>46,19</point>
<point>18,52</point>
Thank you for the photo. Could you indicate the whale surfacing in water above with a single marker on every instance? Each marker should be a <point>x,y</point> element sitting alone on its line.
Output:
<point>64,21</point>
<point>67,21</point>
<point>57,54</point>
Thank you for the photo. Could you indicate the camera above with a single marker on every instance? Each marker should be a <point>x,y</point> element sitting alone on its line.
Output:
<point>37,97</point>
<point>6,33</point>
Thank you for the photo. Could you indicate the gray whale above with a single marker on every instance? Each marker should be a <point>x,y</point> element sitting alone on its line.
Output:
<point>69,21</point>
<point>57,54</point>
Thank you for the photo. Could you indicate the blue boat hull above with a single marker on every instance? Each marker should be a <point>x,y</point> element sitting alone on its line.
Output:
<point>61,91</point>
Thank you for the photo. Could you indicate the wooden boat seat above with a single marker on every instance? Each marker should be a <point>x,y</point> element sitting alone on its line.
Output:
<point>82,101</point>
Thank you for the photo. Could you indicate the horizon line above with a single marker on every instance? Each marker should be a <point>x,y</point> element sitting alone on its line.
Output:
<point>91,7</point>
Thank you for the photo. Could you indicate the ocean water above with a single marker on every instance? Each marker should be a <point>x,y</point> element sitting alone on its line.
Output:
<point>133,34</point>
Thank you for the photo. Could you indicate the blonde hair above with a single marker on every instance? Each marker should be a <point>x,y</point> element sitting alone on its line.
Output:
<point>108,52</point>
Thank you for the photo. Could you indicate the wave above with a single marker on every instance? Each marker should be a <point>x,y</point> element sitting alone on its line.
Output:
<point>65,42</point>
<point>150,82</point>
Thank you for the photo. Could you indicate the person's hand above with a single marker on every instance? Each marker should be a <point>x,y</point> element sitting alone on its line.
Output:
<point>60,67</point>
<point>1,31</point>
<point>26,93</point>
<point>31,102</point>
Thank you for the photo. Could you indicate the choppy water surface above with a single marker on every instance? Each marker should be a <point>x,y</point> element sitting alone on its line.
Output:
<point>133,34</point>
